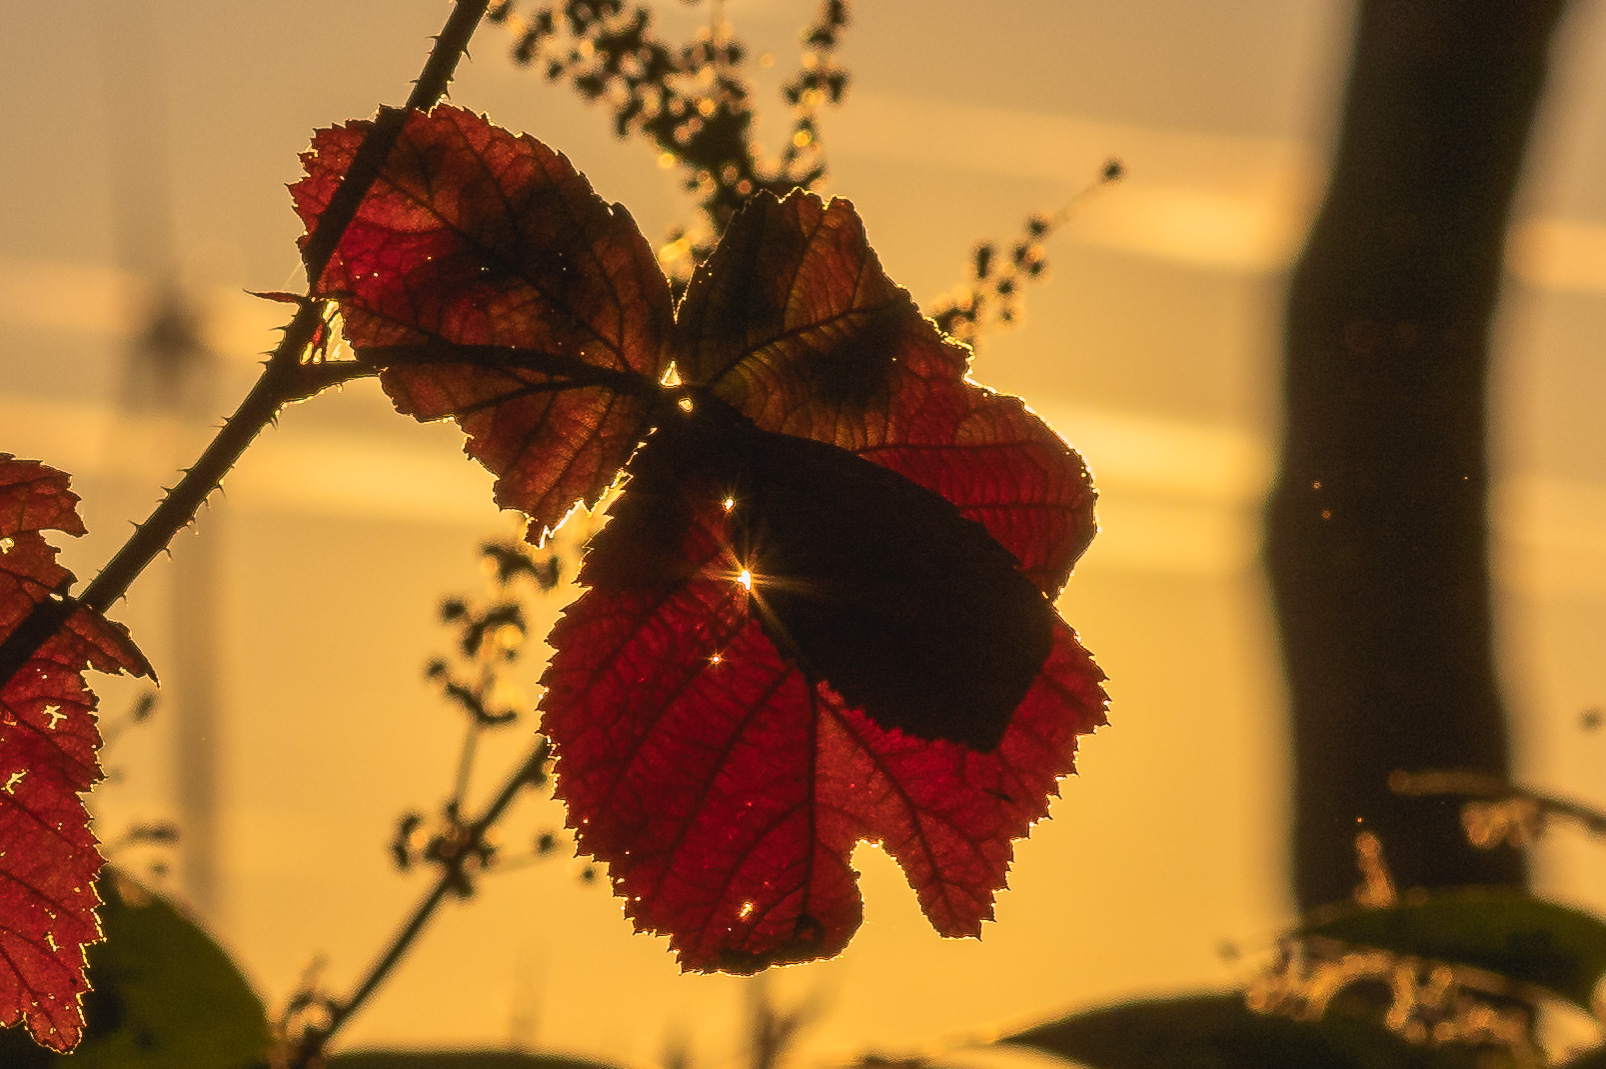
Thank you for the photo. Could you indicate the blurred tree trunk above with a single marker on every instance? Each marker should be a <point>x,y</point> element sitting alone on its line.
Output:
<point>1377,541</point>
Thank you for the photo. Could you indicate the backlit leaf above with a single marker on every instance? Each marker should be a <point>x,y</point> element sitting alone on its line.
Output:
<point>724,786</point>
<point>484,274</point>
<point>48,743</point>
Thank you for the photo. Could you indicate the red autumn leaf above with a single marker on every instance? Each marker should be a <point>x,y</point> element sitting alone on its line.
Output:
<point>495,287</point>
<point>819,613</point>
<point>724,782</point>
<point>725,789</point>
<point>48,741</point>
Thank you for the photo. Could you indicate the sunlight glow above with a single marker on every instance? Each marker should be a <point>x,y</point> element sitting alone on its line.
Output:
<point>715,659</point>
<point>729,503</point>
<point>746,579</point>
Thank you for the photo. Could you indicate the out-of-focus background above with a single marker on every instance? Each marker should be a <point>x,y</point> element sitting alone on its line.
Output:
<point>147,145</point>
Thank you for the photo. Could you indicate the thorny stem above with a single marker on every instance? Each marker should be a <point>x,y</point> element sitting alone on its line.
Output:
<point>452,878</point>
<point>285,378</point>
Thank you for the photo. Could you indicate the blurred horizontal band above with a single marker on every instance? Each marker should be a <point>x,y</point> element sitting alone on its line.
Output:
<point>1175,497</point>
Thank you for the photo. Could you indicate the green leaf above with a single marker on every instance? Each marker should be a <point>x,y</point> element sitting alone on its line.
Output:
<point>165,996</point>
<point>1506,932</point>
<point>455,1059</point>
<point>1220,1032</point>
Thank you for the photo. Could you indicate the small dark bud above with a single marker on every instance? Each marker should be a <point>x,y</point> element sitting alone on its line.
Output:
<point>548,572</point>
<point>982,260</point>
<point>524,51</point>
<point>401,845</point>
<point>164,833</point>
<point>1113,170</point>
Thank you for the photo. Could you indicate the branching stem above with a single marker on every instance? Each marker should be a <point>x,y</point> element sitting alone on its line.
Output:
<point>452,877</point>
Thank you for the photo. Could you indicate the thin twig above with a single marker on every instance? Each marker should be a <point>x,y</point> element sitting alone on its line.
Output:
<point>1470,784</point>
<point>465,763</point>
<point>284,378</point>
<point>452,877</point>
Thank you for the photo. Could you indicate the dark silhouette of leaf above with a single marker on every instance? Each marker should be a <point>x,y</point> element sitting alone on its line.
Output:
<point>1220,1032</point>
<point>1506,932</point>
<point>495,287</point>
<point>163,994</point>
<point>48,742</point>
<point>870,582</point>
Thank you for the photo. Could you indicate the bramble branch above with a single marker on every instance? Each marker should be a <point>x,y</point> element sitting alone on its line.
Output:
<point>285,377</point>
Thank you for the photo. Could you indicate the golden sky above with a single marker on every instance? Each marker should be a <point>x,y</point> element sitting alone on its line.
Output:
<point>167,130</point>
